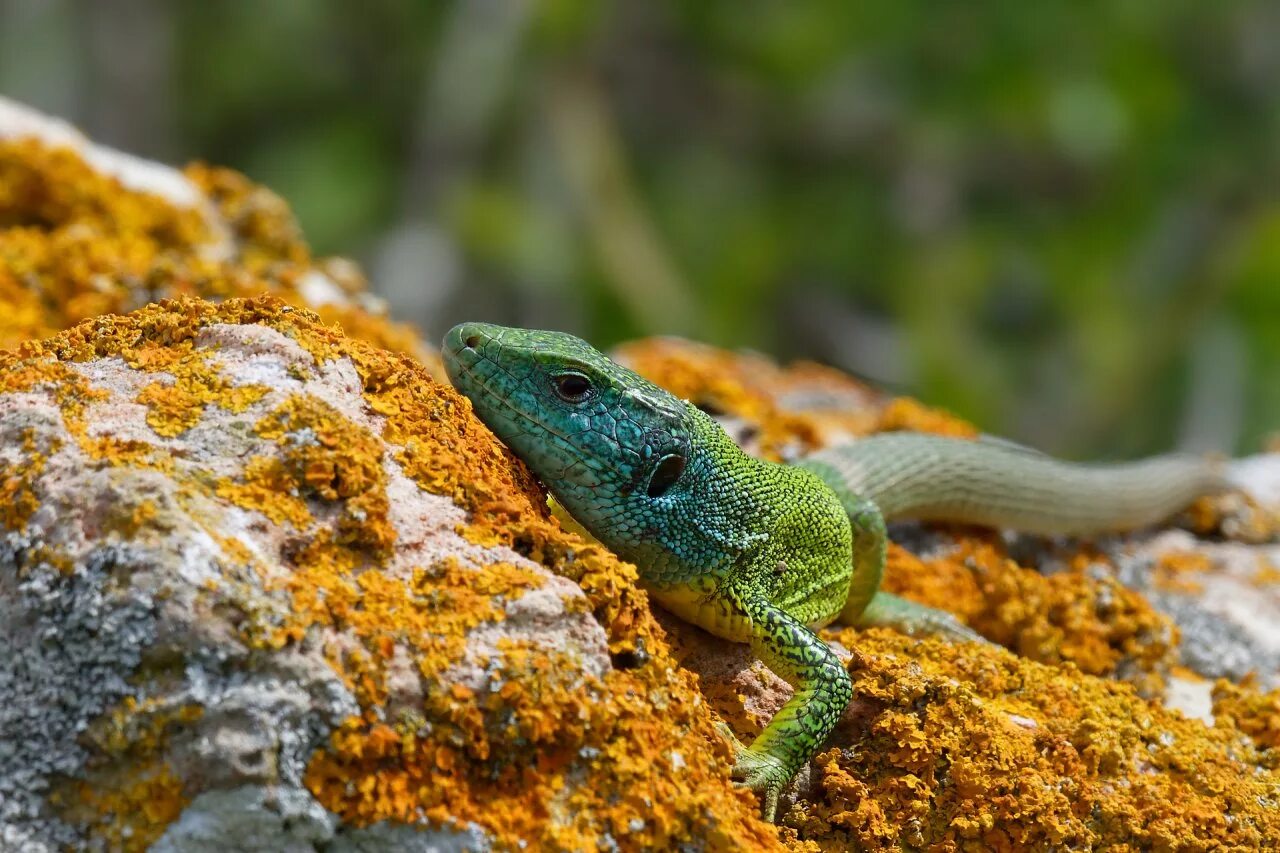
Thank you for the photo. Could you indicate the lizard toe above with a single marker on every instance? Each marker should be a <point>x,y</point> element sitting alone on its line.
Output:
<point>758,772</point>
<point>763,774</point>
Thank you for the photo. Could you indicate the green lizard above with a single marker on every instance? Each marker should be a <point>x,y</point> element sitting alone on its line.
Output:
<point>761,553</point>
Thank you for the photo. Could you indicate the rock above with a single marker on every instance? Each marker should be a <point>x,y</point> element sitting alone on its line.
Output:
<point>1223,596</point>
<point>131,173</point>
<point>91,231</point>
<point>978,749</point>
<point>264,585</point>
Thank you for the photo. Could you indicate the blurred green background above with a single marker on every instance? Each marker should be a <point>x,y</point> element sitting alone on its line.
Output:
<point>1060,219</point>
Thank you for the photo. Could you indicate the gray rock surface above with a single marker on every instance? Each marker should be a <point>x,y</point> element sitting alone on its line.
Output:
<point>113,626</point>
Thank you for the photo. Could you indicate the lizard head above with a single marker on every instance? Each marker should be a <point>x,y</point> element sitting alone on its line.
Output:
<point>611,446</point>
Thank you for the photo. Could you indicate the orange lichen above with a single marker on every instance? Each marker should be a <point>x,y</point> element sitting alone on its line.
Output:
<point>130,515</point>
<point>47,187</point>
<point>261,220</point>
<point>174,407</point>
<point>1176,571</point>
<point>1268,574</point>
<point>570,759</point>
<point>1251,711</point>
<point>968,749</point>
<point>76,244</point>
<point>136,812</point>
<point>1083,617</point>
<point>589,728</point>
<point>1234,514</point>
<point>268,487</point>
<point>17,498</point>
<point>904,413</point>
<point>789,410</point>
<point>428,613</point>
<point>335,460</point>
<point>962,748</point>
<point>32,369</point>
<point>128,812</point>
<point>462,461</point>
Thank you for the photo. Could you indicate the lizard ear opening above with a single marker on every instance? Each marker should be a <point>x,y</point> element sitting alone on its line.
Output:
<point>666,474</point>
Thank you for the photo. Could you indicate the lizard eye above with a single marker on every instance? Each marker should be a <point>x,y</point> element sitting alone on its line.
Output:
<point>666,475</point>
<point>572,387</point>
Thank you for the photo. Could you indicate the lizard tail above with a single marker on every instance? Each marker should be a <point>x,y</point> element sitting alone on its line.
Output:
<point>1001,484</point>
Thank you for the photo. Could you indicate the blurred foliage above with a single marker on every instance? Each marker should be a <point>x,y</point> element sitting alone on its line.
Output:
<point>1059,219</point>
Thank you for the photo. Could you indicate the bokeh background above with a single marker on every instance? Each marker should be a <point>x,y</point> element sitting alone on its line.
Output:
<point>1060,219</point>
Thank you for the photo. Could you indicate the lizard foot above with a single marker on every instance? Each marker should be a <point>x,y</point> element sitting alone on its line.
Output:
<point>917,620</point>
<point>758,772</point>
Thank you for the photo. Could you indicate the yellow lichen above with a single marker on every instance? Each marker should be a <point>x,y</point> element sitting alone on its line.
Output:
<point>1080,616</point>
<point>904,413</point>
<point>130,515</point>
<point>130,810</point>
<point>962,748</point>
<point>630,794</point>
<point>18,500</point>
<point>268,487</point>
<point>1251,711</point>
<point>44,187</point>
<point>337,460</point>
<point>969,749</point>
<point>647,769</point>
<point>789,410</point>
<point>1267,575</point>
<point>175,407</point>
<point>1176,571</point>
<point>76,244</point>
<point>136,812</point>
<point>1234,514</point>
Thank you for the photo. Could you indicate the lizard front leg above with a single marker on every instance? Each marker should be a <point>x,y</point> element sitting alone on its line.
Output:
<point>798,730</point>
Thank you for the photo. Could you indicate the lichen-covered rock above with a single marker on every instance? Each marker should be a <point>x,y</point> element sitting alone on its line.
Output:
<point>778,413</point>
<point>1249,710</point>
<point>960,747</point>
<point>266,587</point>
<point>85,230</point>
<point>969,748</point>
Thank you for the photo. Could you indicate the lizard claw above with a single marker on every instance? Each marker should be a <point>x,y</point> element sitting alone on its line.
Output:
<point>758,772</point>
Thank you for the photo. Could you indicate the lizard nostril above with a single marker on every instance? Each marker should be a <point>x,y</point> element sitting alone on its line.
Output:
<point>472,341</point>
